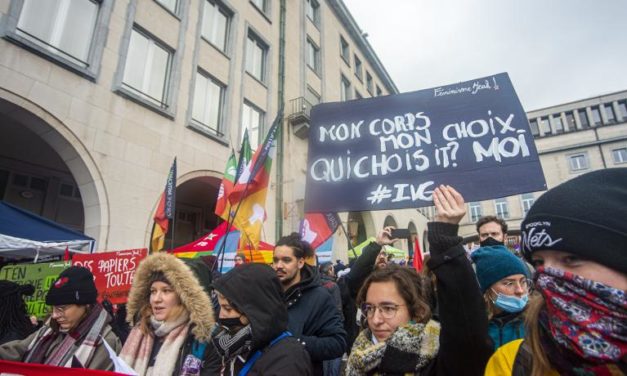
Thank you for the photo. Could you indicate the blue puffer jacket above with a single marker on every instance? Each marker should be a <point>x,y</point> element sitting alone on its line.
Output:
<point>506,327</point>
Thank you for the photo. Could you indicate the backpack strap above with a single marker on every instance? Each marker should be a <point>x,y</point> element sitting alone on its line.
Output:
<point>251,361</point>
<point>523,360</point>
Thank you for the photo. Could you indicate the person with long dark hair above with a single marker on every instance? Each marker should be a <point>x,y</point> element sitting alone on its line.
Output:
<point>14,321</point>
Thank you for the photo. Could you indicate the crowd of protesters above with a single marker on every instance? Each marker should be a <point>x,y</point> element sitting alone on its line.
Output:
<point>561,310</point>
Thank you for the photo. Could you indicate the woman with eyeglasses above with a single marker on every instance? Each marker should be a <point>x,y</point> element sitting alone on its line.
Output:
<point>400,337</point>
<point>504,282</point>
<point>75,333</point>
<point>576,236</point>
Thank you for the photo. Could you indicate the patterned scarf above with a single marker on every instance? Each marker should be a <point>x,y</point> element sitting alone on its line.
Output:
<point>584,324</point>
<point>138,346</point>
<point>79,344</point>
<point>409,349</point>
<point>230,345</point>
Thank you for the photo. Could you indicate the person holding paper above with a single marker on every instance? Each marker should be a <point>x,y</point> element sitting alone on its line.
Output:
<point>172,320</point>
<point>401,337</point>
<point>73,335</point>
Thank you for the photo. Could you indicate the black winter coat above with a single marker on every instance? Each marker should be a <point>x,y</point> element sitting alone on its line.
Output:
<point>465,346</point>
<point>349,287</point>
<point>255,291</point>
<point>314,319</point>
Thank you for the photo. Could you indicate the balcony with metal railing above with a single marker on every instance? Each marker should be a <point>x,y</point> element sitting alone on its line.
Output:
<point>300,116</point>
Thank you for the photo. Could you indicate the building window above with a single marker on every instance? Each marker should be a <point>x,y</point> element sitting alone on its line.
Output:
<point>619,155</point>
<point>61,27</point>
<point>557,124</point>
<point>313,56</point>
<point>344,50</point>
<point>596,115</point>
<point>313,11</point>
<point>475,211</point>
<point>501,208</point>
<point>262,5</point>
<point>147,69</point>
<point>171,5</point>
<point>256,52</point>
<point>570,121</point>
<point>252,119</point>
<point>345,89</point>
<point>578,162</point>
<point>583,119</point>
<point>545,126</point>
<point>533,124</point>
<point>526,200</point>
<point>609,113</point>
<point>369,83</point>
<point>215,24</point>
<point>208,102</point>
<point>311,96</point>
<point>622,107</point>
<point>358,72</point>
<point>379,92</point>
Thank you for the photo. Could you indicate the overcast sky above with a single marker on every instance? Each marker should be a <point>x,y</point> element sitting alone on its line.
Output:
<point>555,51</point>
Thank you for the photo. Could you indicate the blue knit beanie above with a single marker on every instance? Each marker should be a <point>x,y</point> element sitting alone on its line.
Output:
<point>494,263</point>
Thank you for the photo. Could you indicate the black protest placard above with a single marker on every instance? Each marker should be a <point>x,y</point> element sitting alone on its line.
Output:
<point>391,152</point>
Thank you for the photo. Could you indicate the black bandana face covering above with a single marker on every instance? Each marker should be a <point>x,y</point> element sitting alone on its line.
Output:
<point>229,344</point>
<point>231,323</point>
<point>490,241</point>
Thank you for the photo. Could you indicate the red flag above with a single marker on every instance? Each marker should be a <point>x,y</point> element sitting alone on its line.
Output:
<point>206,243</point>
<point>417,255</point>
<point>32,369</point>
<point>66,256</point>
<point>248,197</point>
<point>222,204</point>
<point>316,228</point>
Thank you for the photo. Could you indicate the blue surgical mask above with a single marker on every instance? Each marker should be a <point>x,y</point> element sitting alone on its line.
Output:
<point>511,303</point>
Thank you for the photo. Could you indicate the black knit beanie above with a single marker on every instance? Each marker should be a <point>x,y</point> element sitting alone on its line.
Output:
<point>585,216</point>
<point>75,285</point>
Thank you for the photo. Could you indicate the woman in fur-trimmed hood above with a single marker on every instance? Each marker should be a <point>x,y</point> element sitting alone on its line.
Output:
<point>171,316</point>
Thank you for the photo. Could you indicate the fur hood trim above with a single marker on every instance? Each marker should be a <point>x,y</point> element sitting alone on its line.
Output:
<point>184,282</point>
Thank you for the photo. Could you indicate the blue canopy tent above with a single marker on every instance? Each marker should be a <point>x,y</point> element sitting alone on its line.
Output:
<point>26,235</point>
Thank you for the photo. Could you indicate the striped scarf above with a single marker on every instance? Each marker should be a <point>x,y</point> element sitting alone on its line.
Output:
<point>408,350</point>
<point>77,345</point>
<point>138,346</point>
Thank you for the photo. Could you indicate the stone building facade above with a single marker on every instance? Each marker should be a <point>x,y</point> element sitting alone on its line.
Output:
<point>98,97</point>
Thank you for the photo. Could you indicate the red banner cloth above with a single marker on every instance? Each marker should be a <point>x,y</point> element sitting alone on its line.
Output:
<point>113,271</point>
<point>31,369</point>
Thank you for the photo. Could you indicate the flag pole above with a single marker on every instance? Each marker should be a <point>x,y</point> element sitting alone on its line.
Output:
<point>253,173</point>
<point>173,229</point>
<point>173,206</point>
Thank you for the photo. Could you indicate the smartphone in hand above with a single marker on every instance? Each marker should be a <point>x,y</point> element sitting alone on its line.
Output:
<point>400,233</point>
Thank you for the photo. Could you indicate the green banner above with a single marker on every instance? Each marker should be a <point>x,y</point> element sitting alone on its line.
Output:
<point>39,275</point>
